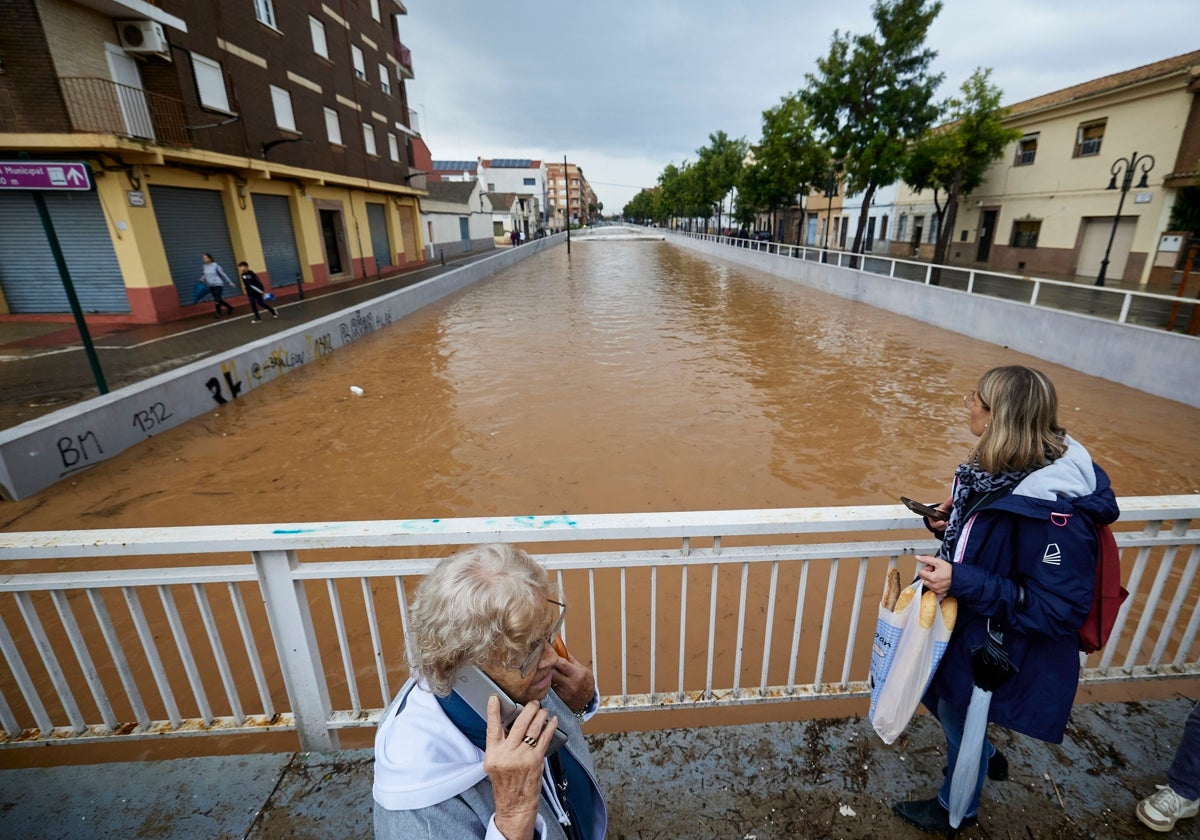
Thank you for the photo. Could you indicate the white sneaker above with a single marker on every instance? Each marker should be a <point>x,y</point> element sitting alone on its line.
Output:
<point>1162,809</point>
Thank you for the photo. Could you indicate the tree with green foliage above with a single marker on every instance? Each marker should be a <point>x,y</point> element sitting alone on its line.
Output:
<point>873,95</point>
<point>718,167</point>
<point>787,160</point>
<point>640,208</point>
<point>954,157</point>
<point>754,194</point>
<point>671,190</point>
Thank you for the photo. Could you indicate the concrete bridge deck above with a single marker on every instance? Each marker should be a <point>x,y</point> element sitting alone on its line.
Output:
<point>805,779</point>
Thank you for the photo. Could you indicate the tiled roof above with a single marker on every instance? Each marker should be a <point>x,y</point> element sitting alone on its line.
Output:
<point>456,192</point>
<point>1166,67</point>
<point>501,200</point>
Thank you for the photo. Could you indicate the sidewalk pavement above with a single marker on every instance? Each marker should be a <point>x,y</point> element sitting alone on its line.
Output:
<point>769,781</point>
<point>43,366</point>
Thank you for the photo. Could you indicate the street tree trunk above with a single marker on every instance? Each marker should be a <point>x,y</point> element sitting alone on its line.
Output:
<point>863,216</point>
<point>946,228</point>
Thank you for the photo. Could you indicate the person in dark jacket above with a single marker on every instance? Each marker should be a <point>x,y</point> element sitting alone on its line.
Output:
<point>255,292</point>
<point>1019,551</point>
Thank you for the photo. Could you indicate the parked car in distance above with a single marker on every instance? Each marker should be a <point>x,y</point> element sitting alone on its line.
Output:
<point>762,236</point>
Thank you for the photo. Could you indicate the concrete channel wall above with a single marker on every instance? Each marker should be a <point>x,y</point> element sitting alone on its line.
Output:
<point>45,450</point>
<point>1158,362</point>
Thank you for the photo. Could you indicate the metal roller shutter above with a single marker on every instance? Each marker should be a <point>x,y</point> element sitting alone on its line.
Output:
<point>278,239</point>
<point>377,221</point>
<point>192,223</point>
<point>28,274</point>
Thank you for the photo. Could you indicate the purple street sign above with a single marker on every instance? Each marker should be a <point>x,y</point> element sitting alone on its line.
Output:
<point>44,175</point>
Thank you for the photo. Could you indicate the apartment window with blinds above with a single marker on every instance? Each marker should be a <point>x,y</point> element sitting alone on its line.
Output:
<point>210,83</point>
<point>1088,138</point>
<point>360,67</point>
<point>1026,150</point>
<point>369,139</point>
<point>320,47</point>
<point>282,102</point>
<point>385,79</point>
<point>1025,233</point>
<point>393,148</point>
<point>333,126</point>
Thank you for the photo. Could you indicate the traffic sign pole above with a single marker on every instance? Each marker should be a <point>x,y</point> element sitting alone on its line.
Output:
<point>76,309</point>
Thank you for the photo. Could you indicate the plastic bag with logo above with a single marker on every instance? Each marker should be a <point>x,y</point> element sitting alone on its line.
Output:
<point>909,644</point>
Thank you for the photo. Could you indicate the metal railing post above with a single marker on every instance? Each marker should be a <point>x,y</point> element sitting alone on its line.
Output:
<point>296,645</point>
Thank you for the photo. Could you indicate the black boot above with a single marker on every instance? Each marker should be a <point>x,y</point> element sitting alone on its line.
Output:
<point>928,815</point>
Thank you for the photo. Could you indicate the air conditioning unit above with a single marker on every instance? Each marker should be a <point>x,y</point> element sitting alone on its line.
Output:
<point>142,37</point>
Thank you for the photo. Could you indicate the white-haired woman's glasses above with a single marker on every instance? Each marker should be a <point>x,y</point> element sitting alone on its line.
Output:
<point>535,655</point>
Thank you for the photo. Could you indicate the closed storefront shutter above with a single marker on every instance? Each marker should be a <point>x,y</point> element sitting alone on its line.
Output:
<point>28,275</point>
<point>278,238</point>
<point>192,223</point>
<point>377,219</point>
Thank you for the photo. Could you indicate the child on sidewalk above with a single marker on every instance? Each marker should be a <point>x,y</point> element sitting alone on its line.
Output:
<point>255,292</point>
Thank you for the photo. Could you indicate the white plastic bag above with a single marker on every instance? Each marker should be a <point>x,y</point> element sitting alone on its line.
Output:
<point>904,658</point>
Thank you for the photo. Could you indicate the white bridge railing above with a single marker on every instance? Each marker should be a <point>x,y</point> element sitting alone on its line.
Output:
<point>1124,306</point>
<point>146,633</point>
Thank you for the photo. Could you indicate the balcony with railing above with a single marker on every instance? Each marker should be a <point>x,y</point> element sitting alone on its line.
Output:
<point>101,106</point>
<point>404,56</point>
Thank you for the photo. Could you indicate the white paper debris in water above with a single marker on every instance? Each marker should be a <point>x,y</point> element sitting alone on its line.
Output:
<point>847,811</point>
<point>356,391</point>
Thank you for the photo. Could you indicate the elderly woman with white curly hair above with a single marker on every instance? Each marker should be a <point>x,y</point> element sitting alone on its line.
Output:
<point>441,770</point>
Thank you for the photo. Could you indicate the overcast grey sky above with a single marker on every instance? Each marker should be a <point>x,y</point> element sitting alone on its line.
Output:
<point>624,87</point>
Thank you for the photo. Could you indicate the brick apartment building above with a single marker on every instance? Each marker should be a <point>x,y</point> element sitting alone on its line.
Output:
<point>261,130</point>
<point>569,196</point>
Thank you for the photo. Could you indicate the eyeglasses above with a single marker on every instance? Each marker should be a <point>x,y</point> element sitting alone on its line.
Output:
<point>535,655</point>
<point>969,400</point>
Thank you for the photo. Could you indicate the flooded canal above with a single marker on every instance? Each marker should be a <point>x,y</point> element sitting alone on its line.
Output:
<point>628,377</point>
<point>631,376</point>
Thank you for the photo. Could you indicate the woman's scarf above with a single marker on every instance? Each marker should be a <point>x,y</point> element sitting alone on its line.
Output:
<point>968,479</point>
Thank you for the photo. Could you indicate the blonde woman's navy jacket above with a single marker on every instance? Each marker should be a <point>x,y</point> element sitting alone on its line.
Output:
<point>1028,561</point>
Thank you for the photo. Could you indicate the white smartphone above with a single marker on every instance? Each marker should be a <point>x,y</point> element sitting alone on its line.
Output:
<point>475,687</point>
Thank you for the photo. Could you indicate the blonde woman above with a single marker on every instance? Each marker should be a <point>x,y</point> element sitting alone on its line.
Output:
<point>1018,552</point>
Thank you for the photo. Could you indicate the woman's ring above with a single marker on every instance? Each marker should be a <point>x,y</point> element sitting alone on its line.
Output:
<point>530,740</point>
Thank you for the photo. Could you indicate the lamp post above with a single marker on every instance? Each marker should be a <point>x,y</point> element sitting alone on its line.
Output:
<point>1130,164</point>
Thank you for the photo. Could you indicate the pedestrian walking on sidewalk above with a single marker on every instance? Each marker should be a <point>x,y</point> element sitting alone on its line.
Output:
<point>216,279</point>
<point>1179,798</point>
<point>255,292</point>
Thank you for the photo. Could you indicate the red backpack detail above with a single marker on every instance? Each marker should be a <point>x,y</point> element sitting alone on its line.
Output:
<point>1109,595</point>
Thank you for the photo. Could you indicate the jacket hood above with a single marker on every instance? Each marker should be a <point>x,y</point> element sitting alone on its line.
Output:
<point>421,758</point>
<point>1073,481</point>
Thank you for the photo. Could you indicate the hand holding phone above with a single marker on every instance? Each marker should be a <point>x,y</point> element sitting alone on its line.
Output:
<point>475,687</point>
<point>924,510</point>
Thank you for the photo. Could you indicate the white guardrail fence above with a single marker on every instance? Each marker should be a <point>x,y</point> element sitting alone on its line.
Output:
<point>1124,306</point>
<point>158,632</point>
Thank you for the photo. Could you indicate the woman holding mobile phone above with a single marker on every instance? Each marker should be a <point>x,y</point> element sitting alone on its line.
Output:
<point>1018,552</point>
<point>447,765</point>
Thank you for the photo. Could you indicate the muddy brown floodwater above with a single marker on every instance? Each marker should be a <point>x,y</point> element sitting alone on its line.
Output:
<point>631,376</point>
<point>635,377</point>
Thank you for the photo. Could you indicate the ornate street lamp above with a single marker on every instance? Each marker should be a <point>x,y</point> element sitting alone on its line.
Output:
<point>1130,164</point>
